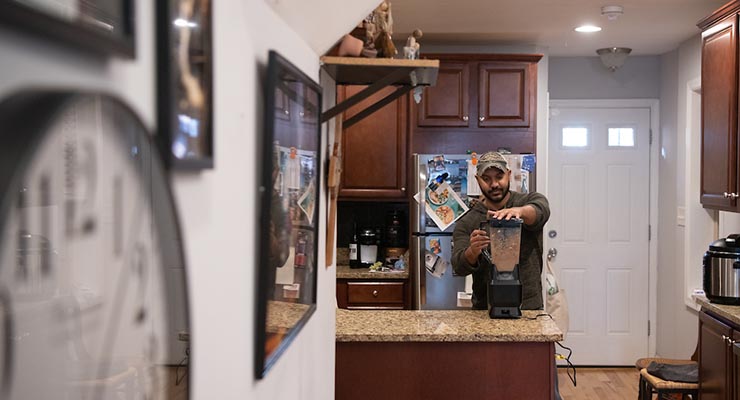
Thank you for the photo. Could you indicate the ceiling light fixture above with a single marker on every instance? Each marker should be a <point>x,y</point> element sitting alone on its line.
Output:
<point>613,57</point>
<point>588,29</point>
<point>612,12</point>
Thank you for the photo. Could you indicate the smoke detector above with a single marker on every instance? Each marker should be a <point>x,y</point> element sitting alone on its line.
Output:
<point>612,12</point>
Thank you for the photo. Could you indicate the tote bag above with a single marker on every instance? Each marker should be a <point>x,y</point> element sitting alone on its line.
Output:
<point>555,303</point>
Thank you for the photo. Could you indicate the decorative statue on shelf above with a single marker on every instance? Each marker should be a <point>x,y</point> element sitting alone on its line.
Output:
<point>383,25</point>
<point>368,49</point>
<point>411,50</point>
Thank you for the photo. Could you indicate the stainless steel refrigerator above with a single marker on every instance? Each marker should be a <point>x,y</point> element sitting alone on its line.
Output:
<point>435,285</point>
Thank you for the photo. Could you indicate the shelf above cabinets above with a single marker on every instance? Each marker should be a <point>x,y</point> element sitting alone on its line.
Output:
<point>376,73</point>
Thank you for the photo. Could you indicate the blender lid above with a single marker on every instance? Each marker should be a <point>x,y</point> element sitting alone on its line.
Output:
<point>730,244</point>
<point>502,223</point>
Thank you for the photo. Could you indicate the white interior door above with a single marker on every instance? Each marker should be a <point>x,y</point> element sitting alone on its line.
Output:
<point>599,190</point>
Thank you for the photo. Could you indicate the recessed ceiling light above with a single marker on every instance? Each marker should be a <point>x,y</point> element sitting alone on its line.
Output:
<point>588,28</point>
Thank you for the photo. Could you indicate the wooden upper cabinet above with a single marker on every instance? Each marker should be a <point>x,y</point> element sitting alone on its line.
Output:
<point>719,107</point>
<point>481,102</point>
<point>447,103</point>
<point>374,150</point>
<point>505,98</point>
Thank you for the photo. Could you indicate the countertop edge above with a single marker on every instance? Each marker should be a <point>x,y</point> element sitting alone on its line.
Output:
<point>544,338</point>
<point>731,313</point>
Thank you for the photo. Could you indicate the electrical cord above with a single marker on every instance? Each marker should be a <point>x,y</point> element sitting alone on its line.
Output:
<point>567,360</point>
<point>184,365</point>
<point>559,356</point>
<point>539,315</point>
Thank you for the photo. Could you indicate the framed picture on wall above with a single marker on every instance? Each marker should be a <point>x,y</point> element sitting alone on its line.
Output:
<point>101,26</point>
<point>185,83</point>
<point>288,233</point>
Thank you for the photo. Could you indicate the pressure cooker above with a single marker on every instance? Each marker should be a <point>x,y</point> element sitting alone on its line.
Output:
<point>721,271</point>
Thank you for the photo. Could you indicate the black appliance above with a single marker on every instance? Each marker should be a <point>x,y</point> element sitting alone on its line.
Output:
<point>369,247</point>
<point>721,271</point>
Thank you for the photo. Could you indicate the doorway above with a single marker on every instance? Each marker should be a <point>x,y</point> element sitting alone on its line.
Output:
<point>599,186</point>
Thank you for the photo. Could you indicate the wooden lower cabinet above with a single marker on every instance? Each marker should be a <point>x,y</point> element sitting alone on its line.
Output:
<point>736,364</point>
<point>373,295</point>
<point>444,370</point>
<point>717,364</point>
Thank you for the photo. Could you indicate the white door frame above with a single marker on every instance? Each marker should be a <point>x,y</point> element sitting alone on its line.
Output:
<point>654,106</point>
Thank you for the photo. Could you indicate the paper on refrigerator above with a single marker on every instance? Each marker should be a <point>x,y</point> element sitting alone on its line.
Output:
<point>443,205</point>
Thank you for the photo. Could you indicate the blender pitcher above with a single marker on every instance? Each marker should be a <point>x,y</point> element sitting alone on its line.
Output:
<point>504,288</point>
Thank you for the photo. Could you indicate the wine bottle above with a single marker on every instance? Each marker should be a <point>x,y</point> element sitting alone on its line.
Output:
<point>354,261</point>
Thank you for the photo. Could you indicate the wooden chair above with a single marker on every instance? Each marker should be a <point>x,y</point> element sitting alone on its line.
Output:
<point>650,384</point>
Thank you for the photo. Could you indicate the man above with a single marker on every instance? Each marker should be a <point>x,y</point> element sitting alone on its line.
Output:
<point>493,176</point>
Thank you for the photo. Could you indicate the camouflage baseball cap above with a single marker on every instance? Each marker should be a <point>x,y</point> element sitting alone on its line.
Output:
<point>492,159</point>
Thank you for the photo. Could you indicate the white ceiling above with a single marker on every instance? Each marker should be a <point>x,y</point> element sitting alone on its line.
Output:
<point>649,27</point>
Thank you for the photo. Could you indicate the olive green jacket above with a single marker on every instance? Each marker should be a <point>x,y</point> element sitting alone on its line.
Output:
<point>530,252</point>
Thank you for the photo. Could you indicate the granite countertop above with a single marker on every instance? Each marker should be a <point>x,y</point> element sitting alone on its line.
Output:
<point>283,316</point>
<point>442,326</point>
<point>345,272</point>
<point>731,313</point>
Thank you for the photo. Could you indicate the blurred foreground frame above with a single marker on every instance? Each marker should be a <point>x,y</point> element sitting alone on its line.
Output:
<point>185,83</point>
<point>103,27</point>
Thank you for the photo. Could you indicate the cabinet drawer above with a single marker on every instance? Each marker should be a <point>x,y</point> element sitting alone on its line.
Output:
<point>375,292</point>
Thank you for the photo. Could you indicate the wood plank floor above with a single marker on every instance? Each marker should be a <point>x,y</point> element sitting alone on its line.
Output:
<point>600,384</point>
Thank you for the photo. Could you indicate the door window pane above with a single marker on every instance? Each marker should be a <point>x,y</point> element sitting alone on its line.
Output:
<point>575,136</point>
<point>621,137</point>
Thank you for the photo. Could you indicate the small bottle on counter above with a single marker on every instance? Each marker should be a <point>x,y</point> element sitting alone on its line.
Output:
<point>300,251</point>
<point>354,261</point>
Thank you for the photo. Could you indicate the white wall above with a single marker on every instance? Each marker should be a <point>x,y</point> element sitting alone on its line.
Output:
<point>587,78</point>
<point>217,207</point>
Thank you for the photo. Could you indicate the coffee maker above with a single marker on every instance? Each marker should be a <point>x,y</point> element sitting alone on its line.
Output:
<point>369,247</point>
<point>504,287</point>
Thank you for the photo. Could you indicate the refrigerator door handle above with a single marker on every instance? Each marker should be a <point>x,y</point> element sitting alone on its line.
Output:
<point>418,275</point>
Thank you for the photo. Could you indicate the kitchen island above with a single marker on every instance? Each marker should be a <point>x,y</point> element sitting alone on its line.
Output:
<point>444,354</point>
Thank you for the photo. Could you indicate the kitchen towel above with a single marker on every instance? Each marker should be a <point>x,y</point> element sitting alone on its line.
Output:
<point>556,303</point>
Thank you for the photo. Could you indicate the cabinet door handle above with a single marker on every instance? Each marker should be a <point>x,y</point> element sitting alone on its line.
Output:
<point>465,118</point>
<point>481,119</point>
<point>732,196</point>
<point>375,293</point>
<point>403,189</point>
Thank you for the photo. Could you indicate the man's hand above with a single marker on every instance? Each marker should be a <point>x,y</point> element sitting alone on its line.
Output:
<point>526,213</point>
<point>478,241</point>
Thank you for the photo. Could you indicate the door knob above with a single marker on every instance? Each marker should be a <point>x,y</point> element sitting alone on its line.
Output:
<point>551,253</point>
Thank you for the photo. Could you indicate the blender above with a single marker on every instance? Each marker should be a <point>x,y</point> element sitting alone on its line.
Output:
<point>504,287</point>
